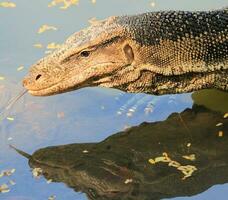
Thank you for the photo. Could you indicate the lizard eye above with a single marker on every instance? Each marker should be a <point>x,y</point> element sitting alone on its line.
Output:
<point>85,53</point>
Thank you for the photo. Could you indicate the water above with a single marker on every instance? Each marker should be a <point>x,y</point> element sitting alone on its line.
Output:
<point>87,115</point>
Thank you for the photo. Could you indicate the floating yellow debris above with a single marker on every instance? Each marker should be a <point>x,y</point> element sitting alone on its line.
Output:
<point>53,45</point>
<point>7,4</point>
<point>191,157</point>
<point>37,172</point>
<point>38,45</point>
<point>226,115</point>
<point>128,181</point>
<point>10,118</point>
<point>187,170</point>
<point>189,144</point>
<point>220,133</point>
<point>7,172</point>
<point>2,78</point>
<point>93,1</point>
<point>163,158</point>
<point>52,197</point>
<point>4,188</point>
<point>174,164</point>
<point>46,27</point>
<point>219,124</point>
<point>85,151</point>
<point>151,161</point>
<point>66,3</point>
<point>12,182</point>
<point>20,68</point>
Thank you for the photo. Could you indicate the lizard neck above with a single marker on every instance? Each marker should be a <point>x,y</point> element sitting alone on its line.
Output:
<point>178,51</point>
<point>159,84</point>
<point>179,42</point>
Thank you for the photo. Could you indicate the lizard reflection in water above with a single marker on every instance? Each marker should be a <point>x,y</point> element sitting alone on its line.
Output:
<point>102,170</point>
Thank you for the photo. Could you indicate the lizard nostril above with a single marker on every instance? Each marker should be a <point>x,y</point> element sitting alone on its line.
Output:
<point>25,82</point>
<point>38,76</point>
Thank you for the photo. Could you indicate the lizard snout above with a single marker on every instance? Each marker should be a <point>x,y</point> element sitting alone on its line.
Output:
<point>29,81</point>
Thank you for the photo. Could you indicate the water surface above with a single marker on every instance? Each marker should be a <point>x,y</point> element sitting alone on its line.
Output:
<point>84,116</point>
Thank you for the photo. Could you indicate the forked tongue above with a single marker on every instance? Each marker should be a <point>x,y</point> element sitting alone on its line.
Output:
<point>4,113</point>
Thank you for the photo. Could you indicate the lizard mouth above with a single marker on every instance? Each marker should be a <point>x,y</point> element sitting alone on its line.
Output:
<point>58,88</point>
<point>44,91</point>
<point>71,83</point>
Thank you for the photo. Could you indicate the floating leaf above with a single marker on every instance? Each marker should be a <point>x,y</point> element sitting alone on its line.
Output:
<point>162,159</point>
<point>189,144</point>
<point>12,182</point>
<point>220,133</point>
<point>174,164</point>
<point>38,45</point>
<point>53,45</point>
<point>4,188</point>
<point>7,172</point>
<point>128,181</point>
<point>10,118</point>
<point>7,4</point>
<point>20,68</point>
<point>66,3</point>
<point>187,170</point>
<point>191,157</point>
<point>151,161</point>
<point>219,124</point>
<point>226,115</point>
<point>46,27</point>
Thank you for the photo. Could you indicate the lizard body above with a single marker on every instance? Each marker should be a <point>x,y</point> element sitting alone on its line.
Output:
<point>156,53</point>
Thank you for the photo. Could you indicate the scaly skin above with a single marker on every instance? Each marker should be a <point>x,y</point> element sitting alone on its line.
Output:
<point>156,53</point>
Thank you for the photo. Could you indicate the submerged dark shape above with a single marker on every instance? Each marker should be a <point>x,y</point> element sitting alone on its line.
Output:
<point>101,169</point>
<point>26,155</point>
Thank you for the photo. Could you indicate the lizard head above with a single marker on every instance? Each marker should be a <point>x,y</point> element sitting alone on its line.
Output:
<point>95,56</point>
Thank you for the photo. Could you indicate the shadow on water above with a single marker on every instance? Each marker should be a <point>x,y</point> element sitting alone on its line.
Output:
<point>118,167</point>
